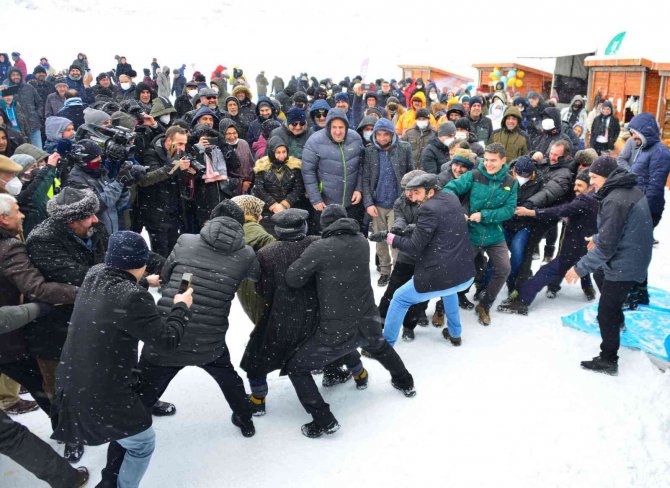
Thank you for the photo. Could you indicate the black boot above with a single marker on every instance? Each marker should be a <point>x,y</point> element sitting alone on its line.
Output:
<point>514,306</point>
<point>257,406</point>
<point>163,409</point>
<point>314,430</point>
<point>73,452</point>
<point>456,341</point>
<point>600,364</point>
<point>246,426</point>
<point>407,334</point>
<point>463,301</point>
<point>334,376</point>
<point>404,383</point>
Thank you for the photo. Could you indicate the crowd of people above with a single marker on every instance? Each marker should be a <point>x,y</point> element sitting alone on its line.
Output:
<point>273,199</point>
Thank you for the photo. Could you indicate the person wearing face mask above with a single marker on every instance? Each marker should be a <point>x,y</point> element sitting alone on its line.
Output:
<point>581,214</point>
<point>433,95</point>
<point>183,103</point>
<point>575,112</point>
<point>126,88</point>
<point>163,111</point>
<point>9,181</point>
<point>408,119</point>
<point>365,129</point>
<point>36,183</point>
<point>386,161</point>
<point>436,152</point>
<point>395,109</point>
<point>419,135</point>
<point>551,130</point>
<point>605,129</point>
<point>510,133</point>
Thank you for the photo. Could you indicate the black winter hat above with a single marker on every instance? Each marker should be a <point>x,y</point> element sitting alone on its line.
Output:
<point>228,208</point>
<point>584,176</point>
<point>294,115</point>
<point>126,250</point>
<point>72,204</point>
<point>331,214</point>
<point>476,99</point>
<point>524,166</point>
<point>422,113</point>
<point>268,126</point>
<point>39,69</point>
<point>291,224</point>
<point>101,76</point>
<point>463,123</point>
<point>603,166</point>
<point>90,150</point>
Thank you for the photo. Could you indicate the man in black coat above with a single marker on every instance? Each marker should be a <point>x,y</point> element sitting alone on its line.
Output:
<point>111,315</point>
<point>349,318</point>
<point>441,246</point>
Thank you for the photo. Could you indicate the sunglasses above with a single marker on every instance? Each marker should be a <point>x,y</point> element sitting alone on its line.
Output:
<point>301,124</point>
<point>320,114</point>
<point>212,98</point>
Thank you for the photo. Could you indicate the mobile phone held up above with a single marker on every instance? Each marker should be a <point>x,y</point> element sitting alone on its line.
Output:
<point>185,284</point>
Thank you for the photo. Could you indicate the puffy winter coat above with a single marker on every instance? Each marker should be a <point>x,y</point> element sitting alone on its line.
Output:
<point>557,187</point>
<point>247,108</point>
<point>651,163</point>
<point>111,315</point>
<point>495,196</point>
<point>163,82</point>
<point>625,231</point>
<point>408,119</point>
<point>219,260</point>
<point>331,170</point>
<point>29,101</point>
<point>434,155</point>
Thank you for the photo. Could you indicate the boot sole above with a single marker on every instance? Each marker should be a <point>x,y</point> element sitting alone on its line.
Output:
<point>602,371</point>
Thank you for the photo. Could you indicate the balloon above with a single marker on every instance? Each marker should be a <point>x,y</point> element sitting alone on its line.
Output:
<point>520,74</point>
<point>492,75</point>
<point>518,83</point>
<point>511,73</point>
<point>496,69</point>
<point>469,87</point>
<point>503,79</point>
<point>496,72</point>
<point>511,81</point>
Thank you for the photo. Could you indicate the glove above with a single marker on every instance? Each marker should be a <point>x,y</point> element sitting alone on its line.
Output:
<point>125,175</point>
<point>408,230</point>
<point>378,236</point>
<point>137,171</point>
<point>45,308</point>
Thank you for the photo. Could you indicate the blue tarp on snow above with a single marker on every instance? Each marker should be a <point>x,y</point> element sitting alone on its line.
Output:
<point>647,328</point>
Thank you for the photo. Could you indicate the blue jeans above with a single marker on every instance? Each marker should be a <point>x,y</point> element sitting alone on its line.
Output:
<point>36,139</point>
<point>139,448</point>
<point>516,241</point>
<point>406,296</point>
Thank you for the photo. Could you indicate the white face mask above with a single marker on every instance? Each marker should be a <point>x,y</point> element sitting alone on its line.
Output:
<point>548,124</point>
<point>165,119</point>
<point>125,85</point>
<point>448,141</point>
<point>13,186</point>
<point>192,93</point>
<point>234,143</point>
<point>433,97</point>
<point>215,88</point>
<point>422,124</point>
<point>461,135</point>
<point>367,135</point>
<point>522,180</point>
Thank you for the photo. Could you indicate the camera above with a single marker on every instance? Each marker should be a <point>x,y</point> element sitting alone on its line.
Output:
<point>116,142</point>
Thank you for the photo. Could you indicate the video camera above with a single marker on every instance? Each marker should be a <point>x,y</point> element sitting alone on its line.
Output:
<point>116,142</point>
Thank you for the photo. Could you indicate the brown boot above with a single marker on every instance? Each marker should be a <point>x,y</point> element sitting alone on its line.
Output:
<point>438,316</point>
<point>82,477</point>
<point>483,314</point>
<point>22,406</point>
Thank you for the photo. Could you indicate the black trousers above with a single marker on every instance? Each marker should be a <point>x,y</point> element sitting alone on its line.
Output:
<point>610,316</point>
<point>26,372</point>
<point>163,237</point>
<point>540,228</point>
<point>31,452</point>
<point>401,274</point>
<point>314,355</point>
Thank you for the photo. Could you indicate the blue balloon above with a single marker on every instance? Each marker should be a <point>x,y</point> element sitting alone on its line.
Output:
<point>503,79</point>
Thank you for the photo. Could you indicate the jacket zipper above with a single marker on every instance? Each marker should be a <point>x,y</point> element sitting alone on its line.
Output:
<point>344,164</point>
<point>493,189</point>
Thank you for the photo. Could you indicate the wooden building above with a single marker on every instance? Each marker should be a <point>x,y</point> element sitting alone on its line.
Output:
<point>439,76</point>
<point>663,112</point>
<point>534,79</point>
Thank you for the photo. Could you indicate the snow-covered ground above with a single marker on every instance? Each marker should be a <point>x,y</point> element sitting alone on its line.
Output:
<point>511,407</point>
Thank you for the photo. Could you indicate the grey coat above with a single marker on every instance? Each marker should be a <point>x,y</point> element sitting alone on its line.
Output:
<point>53,105</point>
<point>401,159</point>
<point>31,104</point>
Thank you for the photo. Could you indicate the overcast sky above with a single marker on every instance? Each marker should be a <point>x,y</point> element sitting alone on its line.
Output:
<point>330,38</point>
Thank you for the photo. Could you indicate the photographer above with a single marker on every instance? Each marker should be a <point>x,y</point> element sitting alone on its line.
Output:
<point>89,173</point>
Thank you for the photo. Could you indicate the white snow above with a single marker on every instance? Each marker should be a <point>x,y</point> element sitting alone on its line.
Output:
<point>511,407</point>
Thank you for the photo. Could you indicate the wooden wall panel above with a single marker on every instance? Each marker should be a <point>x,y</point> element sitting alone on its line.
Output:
<point>651,92</point>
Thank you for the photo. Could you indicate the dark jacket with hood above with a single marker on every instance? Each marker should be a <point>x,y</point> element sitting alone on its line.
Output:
<point>625,231</point>
<point>14,140</point>
<point>545,139</point>
<point>254,131</point>
<point>481,127</point>
<point>340,264</point>
<point>419,139</point>
<point>651,162</point>
<point>240,122</point>
<point>434,155</point>
<point>515,141</point>
<point>111,315</point>
<point>398,154</point>
<point>332,170</point>
<point>278,182</point>
<point>557,186</point>
<point>440,244</point>
<point>533,116</point>
<point>295,144</point>
<point>219,260</point>
<point>605,126</point>
<point>247,107</point>
<point>30,103</point>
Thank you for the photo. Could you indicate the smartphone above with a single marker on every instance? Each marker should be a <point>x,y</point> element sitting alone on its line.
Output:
<point>185,284</point>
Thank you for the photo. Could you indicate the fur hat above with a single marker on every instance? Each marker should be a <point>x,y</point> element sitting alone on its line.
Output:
<point>331,214</point>
<point>126,250</point>
<point>585,157</point>
<point>250,205</point>
<point>228,208</point>
<point>291,224</point>
<point>72,204</point>
<point>464,157</point>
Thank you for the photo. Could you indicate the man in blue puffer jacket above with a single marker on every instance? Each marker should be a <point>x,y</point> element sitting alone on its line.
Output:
<point>332,166</point>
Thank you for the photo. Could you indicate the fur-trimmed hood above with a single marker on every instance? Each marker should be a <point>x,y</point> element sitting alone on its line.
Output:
<point>264,164</point>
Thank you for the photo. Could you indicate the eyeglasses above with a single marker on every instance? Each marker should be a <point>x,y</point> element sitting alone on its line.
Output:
<point>320,114</point>
<point>301,124</point>
<point>416,101</point>
<point>212,98</point>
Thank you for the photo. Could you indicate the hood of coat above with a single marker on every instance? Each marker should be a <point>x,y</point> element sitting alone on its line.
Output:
<point>619,178</point>
<point>385,125</point>
<point>15,70</point>
<point>421,96</point>
<point>645,124</point>
<point>203,110</point>
<point>341,226</point>
<point>222,87</point>
<point>223,234</point>
<point>555,115</point>
<point>511,111</point>
<point>263,100</point>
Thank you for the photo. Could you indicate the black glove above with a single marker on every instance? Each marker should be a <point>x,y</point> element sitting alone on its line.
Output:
<point>125,175</point>
<point>408,230</point>
<point>45,308</point>
<point>378,236</point>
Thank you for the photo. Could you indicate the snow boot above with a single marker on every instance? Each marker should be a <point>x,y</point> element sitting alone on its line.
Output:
<point>423,320</point>
<point>314,430</point>
<point>246,426</point>
<point>463,301</point>
<point>257,406</point>
<point>383,280</point>
<point>478,293</point>
<point>407,334</point>
<point>513,306</point>
<point>362,380</point>
<point>335,376</point>
<point>551,294</point>
<point>22,406</point>
<point>456,341</point>
<point>483,315</point>
<point>82,477</point>
<point>438,316</point>
<point>163,409</point>
<point>73,452</point>
<point>404,383</point>
<point>601,365</point>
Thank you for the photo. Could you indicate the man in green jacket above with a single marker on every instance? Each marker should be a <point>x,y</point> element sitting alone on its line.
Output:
<point>491,201</point>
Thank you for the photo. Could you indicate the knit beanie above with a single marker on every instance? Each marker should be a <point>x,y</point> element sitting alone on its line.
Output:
<point>72,204</point>
<point>464,157</point>
<point>603,166</point>
<point>24,160</point>
<point>422,113</point>
<point>476,99</point>
<point>294,115</point>
<point>250,205</point>
<point>126,250</point>
<point>584,176</point>
<point>39,69</point>
<point>524,166</point>
<point>331,214</point>
<point>228,208</point>
<point>342,97</point>
<point>446,129</point>
<point>268,126</point>
<point>291,224</point>
<point>122,119</point>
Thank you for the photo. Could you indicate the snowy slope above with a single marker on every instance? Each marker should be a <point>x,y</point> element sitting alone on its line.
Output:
<point>511,407</point>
